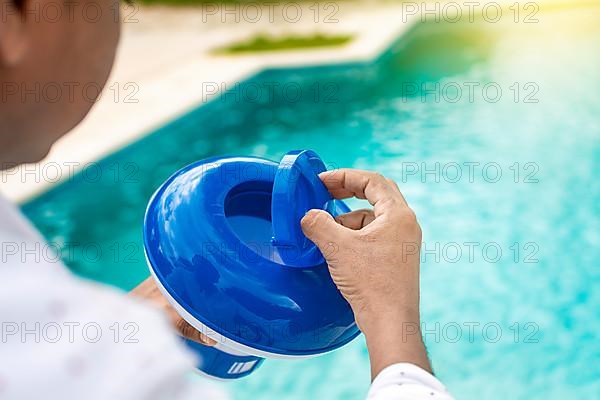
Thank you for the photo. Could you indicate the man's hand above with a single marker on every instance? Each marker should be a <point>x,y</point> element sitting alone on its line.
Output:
<point>149,291</point>
<point>373,257</point>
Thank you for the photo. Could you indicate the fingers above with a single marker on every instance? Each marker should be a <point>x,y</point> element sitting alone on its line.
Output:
<point>149,290</point>
<point>383,194</point>
<point>186,330</point>
<point>357,219</point>
<point>319,226</point>
<point>321,229</point>
<point>189,332</point>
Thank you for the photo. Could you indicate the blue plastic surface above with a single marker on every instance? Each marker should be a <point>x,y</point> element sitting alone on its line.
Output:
<point>297,189</point>
<point>207,236</point>
<point>222,365</point>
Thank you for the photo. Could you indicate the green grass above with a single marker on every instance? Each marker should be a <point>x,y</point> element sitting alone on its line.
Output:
<point>214,2</point>
<point>263,43</point>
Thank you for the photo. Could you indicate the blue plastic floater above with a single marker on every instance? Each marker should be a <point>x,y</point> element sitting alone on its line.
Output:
<point>223,240</point>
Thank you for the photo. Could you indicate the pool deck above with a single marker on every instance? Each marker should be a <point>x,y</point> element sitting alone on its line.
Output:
<point>165,65</point>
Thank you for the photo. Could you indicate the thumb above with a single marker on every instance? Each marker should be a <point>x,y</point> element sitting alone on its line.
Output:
<point>321,228</point>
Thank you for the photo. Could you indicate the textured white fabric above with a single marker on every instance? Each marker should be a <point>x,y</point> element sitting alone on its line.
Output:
<point>407,382</point>
<point>66,338</point>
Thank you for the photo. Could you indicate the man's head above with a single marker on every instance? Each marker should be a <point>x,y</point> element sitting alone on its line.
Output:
<point>55,56</point>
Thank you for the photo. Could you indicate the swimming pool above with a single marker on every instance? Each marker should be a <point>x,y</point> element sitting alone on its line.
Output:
<point>506,190</point>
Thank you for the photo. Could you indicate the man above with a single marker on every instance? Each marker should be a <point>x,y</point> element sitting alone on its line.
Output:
<point>38,299</point>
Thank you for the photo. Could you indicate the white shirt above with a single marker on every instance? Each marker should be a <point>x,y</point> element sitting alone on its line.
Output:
<point>407,382</point>
<point>63,337</point>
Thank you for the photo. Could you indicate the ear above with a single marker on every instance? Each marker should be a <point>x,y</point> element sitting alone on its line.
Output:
<point>13,35</point>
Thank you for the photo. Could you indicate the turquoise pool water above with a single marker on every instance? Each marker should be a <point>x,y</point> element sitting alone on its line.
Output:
<point>520,325</point>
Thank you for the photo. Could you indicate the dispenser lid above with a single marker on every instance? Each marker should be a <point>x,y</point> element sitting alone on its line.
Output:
<point>207,237</point>
<point>296,190</point>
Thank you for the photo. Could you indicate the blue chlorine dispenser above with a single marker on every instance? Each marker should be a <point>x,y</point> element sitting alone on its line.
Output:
<point>223,240</point>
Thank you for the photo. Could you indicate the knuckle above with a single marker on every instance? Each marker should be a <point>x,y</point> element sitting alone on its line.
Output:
<point>409,217</point>
<point>410,214</point>
<point>391,202</point>
<point>392,205</point>
<point>378,177</point>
